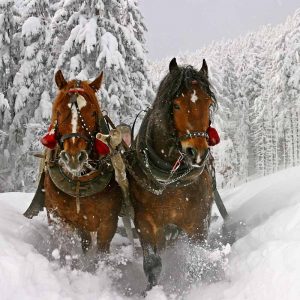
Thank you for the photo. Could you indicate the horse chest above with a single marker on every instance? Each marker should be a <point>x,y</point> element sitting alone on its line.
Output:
<point>94,210</point>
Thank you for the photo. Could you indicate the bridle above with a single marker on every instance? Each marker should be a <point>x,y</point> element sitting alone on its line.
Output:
<point>193,134</point>
<point>90,138</point>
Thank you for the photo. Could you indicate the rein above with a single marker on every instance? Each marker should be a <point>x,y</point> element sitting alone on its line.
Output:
<point>90,139</point>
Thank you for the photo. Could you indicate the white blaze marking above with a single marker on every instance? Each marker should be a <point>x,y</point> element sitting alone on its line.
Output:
<point>81,102</point>
<point>194,97</point>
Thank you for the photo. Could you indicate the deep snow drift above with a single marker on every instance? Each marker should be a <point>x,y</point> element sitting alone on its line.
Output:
<point>264,262</point>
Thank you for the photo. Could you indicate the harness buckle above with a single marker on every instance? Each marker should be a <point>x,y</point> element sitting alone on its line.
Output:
<point>177,163</point>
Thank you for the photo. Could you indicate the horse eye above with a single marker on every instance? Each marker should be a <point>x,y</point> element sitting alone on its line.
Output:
<point>176,106</point>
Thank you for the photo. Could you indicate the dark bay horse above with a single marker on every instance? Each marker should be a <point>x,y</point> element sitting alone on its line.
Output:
<point>78,190</point>
<point>170,180</point>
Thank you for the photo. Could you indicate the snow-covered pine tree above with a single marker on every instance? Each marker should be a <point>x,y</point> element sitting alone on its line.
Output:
<point>109,36</point>
<point>291,91</point>
<point>31,86</point>
<point>5,118</point>
<point>9,57</point>
<point>9,47</point>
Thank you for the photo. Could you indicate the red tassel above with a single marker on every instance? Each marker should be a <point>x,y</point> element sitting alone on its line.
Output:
<point>101,147</point>
<point>213,136</point>
<point>49,139</point>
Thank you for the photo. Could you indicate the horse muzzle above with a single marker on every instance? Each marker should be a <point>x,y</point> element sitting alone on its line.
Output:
<point>194,157</point>
<point>74,163</point>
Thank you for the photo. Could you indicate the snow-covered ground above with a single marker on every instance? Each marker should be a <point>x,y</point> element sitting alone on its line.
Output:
<point>264,262</point>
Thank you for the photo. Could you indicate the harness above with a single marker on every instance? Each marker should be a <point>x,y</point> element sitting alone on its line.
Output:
<point>94,182</point>
<point>157,174</point>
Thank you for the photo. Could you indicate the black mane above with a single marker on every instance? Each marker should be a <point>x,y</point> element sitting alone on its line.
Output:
<point>179,80</point>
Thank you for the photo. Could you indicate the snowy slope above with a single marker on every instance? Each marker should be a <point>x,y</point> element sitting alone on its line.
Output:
<point>264,263</point>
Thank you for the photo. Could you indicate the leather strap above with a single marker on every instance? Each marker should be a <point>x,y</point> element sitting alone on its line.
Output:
<point>194,134</point>
<point>75,135</point>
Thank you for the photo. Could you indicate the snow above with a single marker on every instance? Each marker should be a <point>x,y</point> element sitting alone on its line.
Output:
<point>45,106</point>
<point>32,26</point>
<point>263,263</point>
<point>5,2</point>
<point>3,103</point>
<point>28,274</point>
<point>21,99</point>
<point>88,34</point>
<point>110,52</point>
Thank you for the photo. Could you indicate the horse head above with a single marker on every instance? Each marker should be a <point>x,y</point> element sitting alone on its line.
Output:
<point>191,108</point>
<point>76,114</point>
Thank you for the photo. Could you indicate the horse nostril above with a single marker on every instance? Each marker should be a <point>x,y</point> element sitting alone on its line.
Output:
<point>191,152</point>
<point>82,156</point>
<point>65,156</point>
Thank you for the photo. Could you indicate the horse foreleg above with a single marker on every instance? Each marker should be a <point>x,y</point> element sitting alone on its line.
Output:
<point>86,240</point>
<point>197,232</point>
<point>129,232</point>
<point>152,264</point>
<point>151,240</point>
<point>105,234</point>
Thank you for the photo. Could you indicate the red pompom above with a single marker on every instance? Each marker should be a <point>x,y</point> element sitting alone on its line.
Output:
<point>101,147</point>
<point>213,136</point>
<point>49,139</point>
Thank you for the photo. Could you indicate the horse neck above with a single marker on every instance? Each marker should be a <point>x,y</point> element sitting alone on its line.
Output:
<point>157,133</point>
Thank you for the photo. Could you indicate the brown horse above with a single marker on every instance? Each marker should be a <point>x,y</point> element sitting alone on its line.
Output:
<point>170,180</point>
<point>78,190</point>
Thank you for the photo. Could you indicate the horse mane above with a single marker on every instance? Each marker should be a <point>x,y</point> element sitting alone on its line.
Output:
<point>181,79</point>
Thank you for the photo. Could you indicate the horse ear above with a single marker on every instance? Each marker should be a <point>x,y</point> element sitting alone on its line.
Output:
<point>204,68</point>
<point>95,85</point>
<point>60,80</point>
<point>173,65</point>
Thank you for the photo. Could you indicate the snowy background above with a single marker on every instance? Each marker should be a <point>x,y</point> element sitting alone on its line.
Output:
<point>256,78</point>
